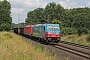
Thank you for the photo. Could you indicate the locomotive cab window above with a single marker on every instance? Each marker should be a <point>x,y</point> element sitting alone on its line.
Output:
<point>53,27</point>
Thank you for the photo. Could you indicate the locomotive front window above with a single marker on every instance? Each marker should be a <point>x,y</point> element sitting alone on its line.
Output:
<point>53,27</point>
<point>56,28</point>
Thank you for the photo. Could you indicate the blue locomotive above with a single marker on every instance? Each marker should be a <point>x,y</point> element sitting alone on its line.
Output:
<point>48,32</point>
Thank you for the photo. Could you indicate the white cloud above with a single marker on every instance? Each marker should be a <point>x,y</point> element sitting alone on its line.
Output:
<point>68,4</point>
<point>21,7</point>
<point>16,10</point>
<point>80,7</point>
<point>35,3</point>
<point>1,0</point>
<point>28,3</point>
<point>88,3</point>
<point>68,0</point>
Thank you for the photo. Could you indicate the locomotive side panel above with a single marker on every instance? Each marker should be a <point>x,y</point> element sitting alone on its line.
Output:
<point>38,30</point>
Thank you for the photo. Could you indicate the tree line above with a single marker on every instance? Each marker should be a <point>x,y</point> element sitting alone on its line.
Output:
<point>5,18</point>
<point>69,19</point>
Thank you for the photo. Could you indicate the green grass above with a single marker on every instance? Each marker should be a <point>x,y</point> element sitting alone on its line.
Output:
<point>13,47</point>
<point>39,48</point>
<point>77,39</point>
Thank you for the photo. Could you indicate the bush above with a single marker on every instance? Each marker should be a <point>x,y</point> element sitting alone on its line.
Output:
<point>88,38</point>
<point>68,31</point>
<point>5,27</point>
<point>88,31</point>
<point>82,30</point>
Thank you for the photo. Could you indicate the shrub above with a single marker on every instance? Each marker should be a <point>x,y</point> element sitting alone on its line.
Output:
<point>68,31</point>
<point>88,38</point>
<point>5,27</point>
<point>88,31</point>
<point>82,30</point>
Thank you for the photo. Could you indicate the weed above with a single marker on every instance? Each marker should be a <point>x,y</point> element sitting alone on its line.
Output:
<point>66,59</point>
<point>73,40</point>
<point>8,34</point>
<point>39,48</point>
<point>53,53</point>
<point>70,37</point>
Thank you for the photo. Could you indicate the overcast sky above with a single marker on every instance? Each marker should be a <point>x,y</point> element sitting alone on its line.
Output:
<point>21,7</point>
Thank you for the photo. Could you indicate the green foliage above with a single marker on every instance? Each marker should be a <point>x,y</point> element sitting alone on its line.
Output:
<point>68,31</point>
<point>35,16</point>
<point>5,18</point>
<point>82,31</point>
<point>5,26</point>
<point>88,38</point>
<point>88,31</point>
<point>46,15</point>
<point>81,20</point>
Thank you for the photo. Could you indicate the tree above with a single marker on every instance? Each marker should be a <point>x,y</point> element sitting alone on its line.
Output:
<point>54,11</point>
<point>50,11</point>
<point>5,18</point>
<point>34,17</point>
<point>81,19</point>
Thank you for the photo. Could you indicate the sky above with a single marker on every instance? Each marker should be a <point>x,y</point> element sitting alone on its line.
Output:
<point>21,7</point>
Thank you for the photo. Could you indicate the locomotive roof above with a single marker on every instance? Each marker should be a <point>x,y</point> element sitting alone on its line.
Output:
<point>39,25</point>
<point>44,24</point>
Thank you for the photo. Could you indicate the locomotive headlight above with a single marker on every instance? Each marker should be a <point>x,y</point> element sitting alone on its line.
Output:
<point>49,33</point>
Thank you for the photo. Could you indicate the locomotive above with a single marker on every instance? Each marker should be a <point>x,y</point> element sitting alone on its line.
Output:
<point>46,32</point>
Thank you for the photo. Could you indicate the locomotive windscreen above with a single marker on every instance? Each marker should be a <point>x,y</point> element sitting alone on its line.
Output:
<point>53,27</point>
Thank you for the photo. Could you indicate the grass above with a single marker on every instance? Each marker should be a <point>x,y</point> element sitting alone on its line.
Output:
<point>88,38</point>
<point>13,47</point>
<point>66,58</point>
<point>76,39</point>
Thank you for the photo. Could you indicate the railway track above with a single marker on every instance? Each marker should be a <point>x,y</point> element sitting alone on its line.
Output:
<point>75,49</point>
<point>80,50</point>
<point>77,45</point>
